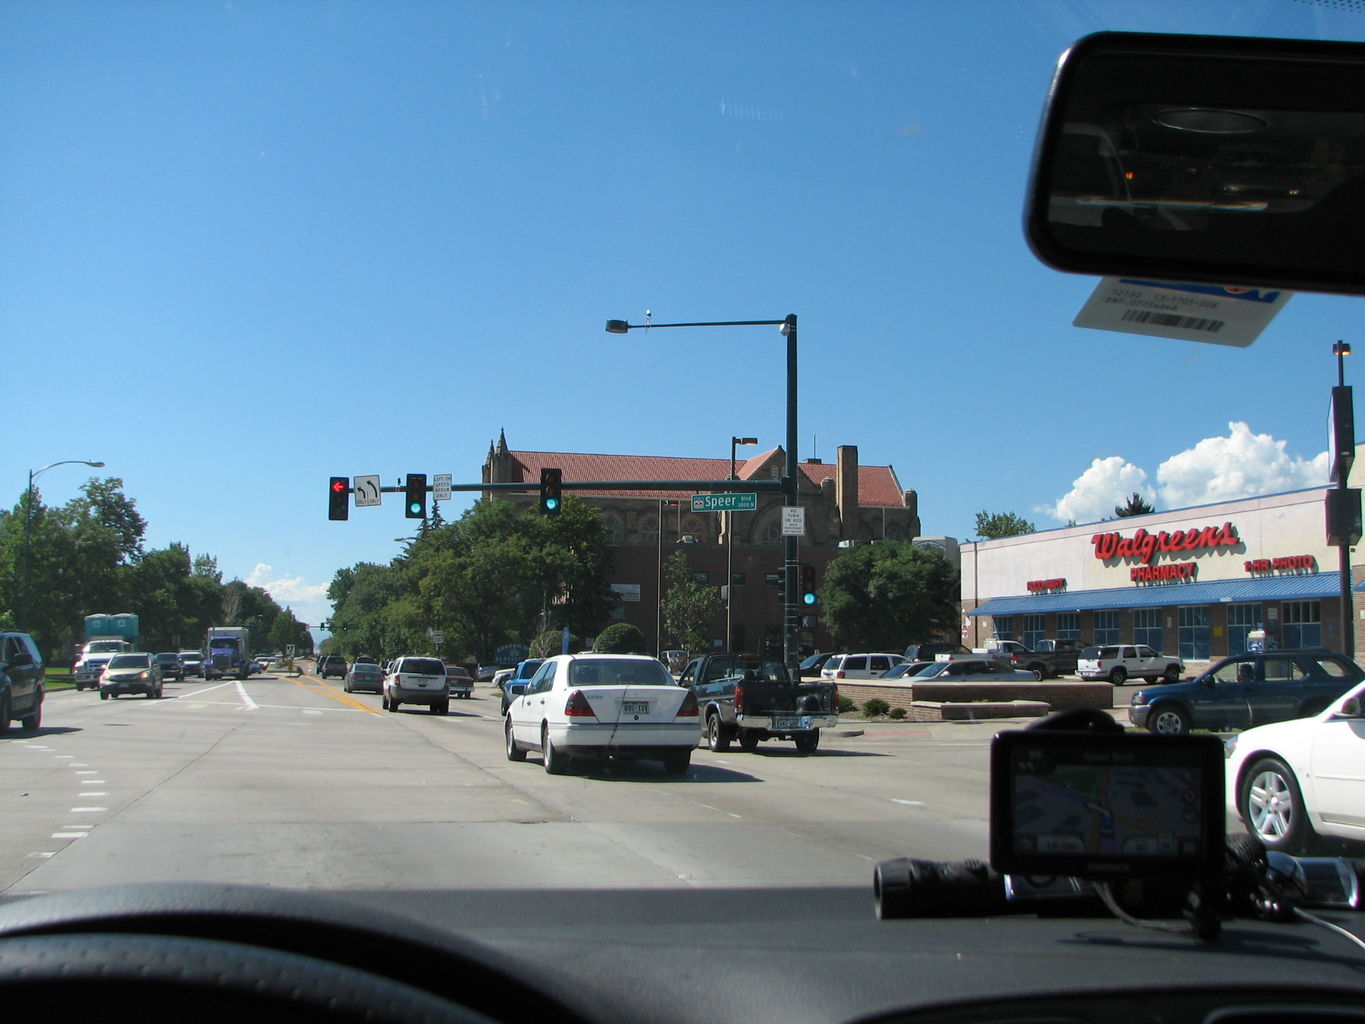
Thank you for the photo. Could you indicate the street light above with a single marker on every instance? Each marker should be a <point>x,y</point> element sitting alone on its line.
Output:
<point>730,550</point>
<point>28,523</point>
<point>790,622</point>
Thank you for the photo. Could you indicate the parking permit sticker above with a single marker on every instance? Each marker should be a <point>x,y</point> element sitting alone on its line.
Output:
<point>1220,314</point>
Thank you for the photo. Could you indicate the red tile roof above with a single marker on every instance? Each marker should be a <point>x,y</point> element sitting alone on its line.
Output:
<point>877,485</point>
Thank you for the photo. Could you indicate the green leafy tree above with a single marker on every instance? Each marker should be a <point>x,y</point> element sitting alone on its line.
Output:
<point>879,597</point>
<point>689,606</point>
<point>585,600</point>
<point>286,630</point>
<point>994,525</point>
<point>621,638</point>
<point>1136,505</point>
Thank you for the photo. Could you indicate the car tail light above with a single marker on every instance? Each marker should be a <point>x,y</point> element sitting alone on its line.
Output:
<point>689,706</point>
<point>839,674</point>
<point>578,706</point>
<point>739,696</point>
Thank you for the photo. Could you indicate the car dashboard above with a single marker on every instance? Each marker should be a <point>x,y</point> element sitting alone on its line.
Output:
<point>656,957</point>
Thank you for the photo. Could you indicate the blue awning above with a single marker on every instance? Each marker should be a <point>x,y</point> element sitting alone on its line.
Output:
<point>1267,588</point>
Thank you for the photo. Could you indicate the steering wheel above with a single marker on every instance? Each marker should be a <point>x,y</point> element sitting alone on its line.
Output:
<point>211,953</point>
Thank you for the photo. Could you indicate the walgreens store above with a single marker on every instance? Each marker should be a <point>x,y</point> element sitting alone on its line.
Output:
<point>1194,582</point>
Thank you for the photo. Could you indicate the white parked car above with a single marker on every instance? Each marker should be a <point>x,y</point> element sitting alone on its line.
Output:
<point>416,680</point>
<point>1289,781</point>
<point>595,706</point>
<point>859,666</point>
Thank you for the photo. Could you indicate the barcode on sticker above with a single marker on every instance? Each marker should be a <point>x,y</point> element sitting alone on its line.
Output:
<point>1186,323</point>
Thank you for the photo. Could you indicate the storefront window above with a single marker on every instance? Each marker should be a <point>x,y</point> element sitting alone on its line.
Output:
<point>1035,629</point>
<point>1302,624</point>
<point>1242,619</point>
<point>1068,625</point>
<point>1004,627</point>
<point>1147,627</point>
<point>1107,627</point>
<point>1194,633</point>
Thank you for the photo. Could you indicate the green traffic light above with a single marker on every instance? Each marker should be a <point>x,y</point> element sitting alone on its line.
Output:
<point>551,504</point>
<point>809,598</point>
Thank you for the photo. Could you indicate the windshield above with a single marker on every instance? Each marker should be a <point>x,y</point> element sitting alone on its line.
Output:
<point>129,661</point>
<point>104,646</point>
<point>369,202</point>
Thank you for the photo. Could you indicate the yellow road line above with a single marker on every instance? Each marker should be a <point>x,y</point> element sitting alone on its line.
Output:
<point>329,691</point>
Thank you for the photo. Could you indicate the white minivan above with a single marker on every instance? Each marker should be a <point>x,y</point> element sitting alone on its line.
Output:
<point>859,666</point>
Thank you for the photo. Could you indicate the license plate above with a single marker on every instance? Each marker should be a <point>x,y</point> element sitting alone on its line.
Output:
<point>792,723</point>
<point>635,707</point>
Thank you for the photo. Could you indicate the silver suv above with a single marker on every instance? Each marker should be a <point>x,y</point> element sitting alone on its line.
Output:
<point>859,666</point>
<point>417,680</point>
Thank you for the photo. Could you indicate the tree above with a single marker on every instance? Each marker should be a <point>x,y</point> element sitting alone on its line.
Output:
<point>1137,505</point>
<point>994,525</point>
<point>879,597</point>
<point>689,606</point>
<point>621,638</point>
<point>288,630</point>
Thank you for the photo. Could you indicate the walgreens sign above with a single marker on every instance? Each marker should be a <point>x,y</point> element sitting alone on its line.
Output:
<point>1146,546</point>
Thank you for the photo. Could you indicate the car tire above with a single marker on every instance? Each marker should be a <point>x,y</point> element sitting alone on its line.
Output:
<point>748,740</point>
<point>514,751</point>
<point>393,704</point>
<point>1272,806</point>
<point>556,762</point>
<point>1039,673</point>
<point>103,695</point>
<point>1118,676</point>
<point>1168,720</point>
<point>807,742</point>
<point>717,740</point>
<point>677,762</point>
<point>4,712</point>
<point>441,707</point>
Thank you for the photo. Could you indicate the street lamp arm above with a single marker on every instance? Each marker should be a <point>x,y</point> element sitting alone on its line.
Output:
<point>621,326</point>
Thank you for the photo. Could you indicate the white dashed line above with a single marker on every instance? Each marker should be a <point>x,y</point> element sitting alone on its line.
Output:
<point>88,810</point>
<point>908,803</point>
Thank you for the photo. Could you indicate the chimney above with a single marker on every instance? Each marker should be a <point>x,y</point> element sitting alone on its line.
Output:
<point>846,486</point>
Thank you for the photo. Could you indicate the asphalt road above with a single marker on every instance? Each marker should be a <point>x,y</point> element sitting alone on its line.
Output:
<point>292,782</point>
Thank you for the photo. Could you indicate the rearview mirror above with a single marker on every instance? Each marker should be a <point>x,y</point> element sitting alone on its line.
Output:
<point>1211,159</point>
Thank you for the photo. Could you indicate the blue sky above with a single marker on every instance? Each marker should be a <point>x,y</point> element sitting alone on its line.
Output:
<point>248,245</point>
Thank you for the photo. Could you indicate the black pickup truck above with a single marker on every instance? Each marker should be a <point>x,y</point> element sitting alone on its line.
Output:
<point>750,698</point>
<point>1049,658</point>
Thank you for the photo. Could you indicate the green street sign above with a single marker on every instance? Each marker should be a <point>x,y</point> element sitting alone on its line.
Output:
<point>725,502</point>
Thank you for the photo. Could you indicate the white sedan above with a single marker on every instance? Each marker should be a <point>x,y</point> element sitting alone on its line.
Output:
<point>1292,780</point>
<point>595,706</point>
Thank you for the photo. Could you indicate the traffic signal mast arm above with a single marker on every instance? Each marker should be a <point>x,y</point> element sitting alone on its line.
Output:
<point>774,486</point>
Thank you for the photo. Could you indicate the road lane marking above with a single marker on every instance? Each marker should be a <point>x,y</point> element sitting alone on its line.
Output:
<point>908,803</point>
<point>246,699</point>
<point>326,690</point>
<point>93,782</point>
<point>88,810</point>
<point>68,835</point>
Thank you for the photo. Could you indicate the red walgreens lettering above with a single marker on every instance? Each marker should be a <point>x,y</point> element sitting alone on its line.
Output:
<point>1146,546</point>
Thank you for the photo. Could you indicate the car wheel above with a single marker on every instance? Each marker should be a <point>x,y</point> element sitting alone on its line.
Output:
<point>748,740</point>
<point>441,707</point>
<point>807,742</point>
<point>514,751</point>
<point>676,763</point>
<point>4,712</point>
<point>556,762</point>
<point>1272,806</point>
<point>1118,676</point>
<point>716,737</point>
<point>1039,673</point>
<point>1168,720</point>
<point>393,704</point>
<point>34,720</point>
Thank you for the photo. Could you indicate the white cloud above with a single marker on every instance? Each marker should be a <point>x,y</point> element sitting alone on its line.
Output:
<point>1093,495</point>
<point>308,601</point>
<point>1239,465</point>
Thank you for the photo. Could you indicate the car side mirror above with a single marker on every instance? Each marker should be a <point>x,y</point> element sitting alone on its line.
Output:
<point>1209,159</point>
<point>1351,709</point>
<point>517,689</point>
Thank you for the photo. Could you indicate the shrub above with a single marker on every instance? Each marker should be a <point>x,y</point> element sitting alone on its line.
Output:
<point>874,707</point>
<point>620,638</point>
<point>898,713</point>
<point>846,703</point>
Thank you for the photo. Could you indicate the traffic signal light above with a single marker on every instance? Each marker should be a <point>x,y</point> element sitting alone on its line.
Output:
<point>809,597</point>
<point>550,498</point>
<point>339,498</point>
<point>415,504</point>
